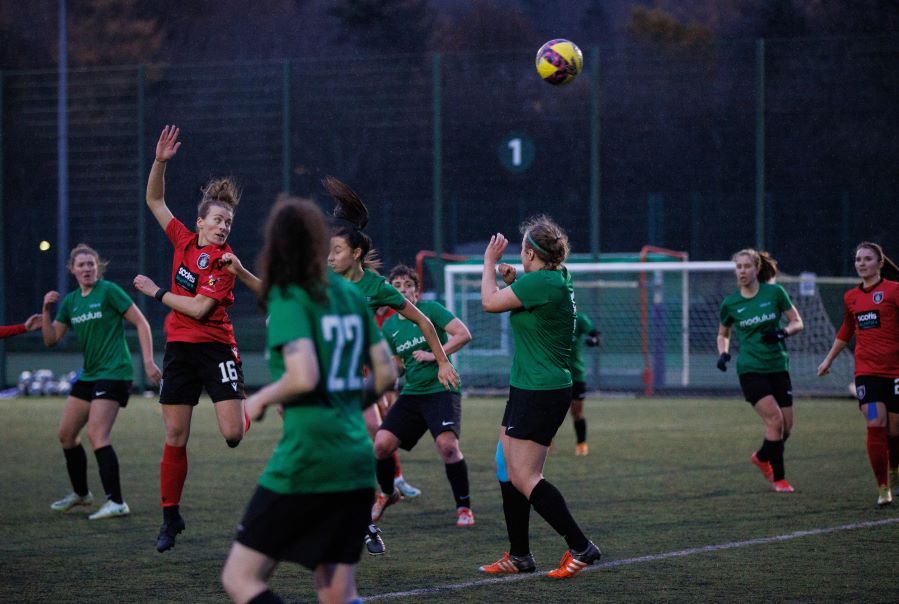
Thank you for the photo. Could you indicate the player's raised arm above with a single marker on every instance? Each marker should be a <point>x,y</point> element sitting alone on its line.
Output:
<point>166,148</point>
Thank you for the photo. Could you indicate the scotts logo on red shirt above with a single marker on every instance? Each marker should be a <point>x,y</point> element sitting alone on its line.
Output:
<point>185,279</point>
<point>869,319</point>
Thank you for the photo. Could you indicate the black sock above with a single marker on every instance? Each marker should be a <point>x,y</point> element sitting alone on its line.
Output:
<point>457,474</point>
<point>385,469</point>
<point>580,430</point>
<point>550,504</point>
<point>266,597</point>
<point>109,472</point>
<point>76,464</point>
<point>777,458</point>
<point>764,453</point>
<point>171,513</point>
<point>517,510</point>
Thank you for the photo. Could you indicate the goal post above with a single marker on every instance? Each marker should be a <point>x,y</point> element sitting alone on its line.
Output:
<point>659,322</point>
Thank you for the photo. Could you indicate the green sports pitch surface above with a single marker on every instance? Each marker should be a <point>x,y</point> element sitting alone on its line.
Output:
<point>667,493</point>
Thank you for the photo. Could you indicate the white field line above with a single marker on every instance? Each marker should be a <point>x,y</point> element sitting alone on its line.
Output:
<point>638,560</point>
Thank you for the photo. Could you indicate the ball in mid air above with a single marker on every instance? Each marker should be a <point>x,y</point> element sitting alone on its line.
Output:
<point>559,61</point>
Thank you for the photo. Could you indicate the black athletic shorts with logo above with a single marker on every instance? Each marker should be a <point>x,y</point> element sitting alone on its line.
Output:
<point>578,391</point>
<point>113,390</point>
<point>188,367</point>
<point>414,414</point>
<point>310,528</point>
<point>536,414</point>
<point>757,386</point>
<point>876,389</point>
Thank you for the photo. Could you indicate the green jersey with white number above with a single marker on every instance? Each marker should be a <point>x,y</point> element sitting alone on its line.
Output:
<point>97,322</point>
<point>543,330</point>
<point>325,446</point>
<point>404,338</point>
<point>749,318</point>
<point>583,326</point>
<point>378,292</point>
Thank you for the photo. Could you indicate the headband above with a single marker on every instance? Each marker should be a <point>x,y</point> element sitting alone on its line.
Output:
<point>534,243</point>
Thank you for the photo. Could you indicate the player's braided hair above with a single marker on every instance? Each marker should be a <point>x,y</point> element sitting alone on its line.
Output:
<point>350,216</point>
<point>764,263</point>
<point>547,239</point>
<point>889,270</point>
<point>295,250</point>
<point>83,248</point>
<point>222,192</point>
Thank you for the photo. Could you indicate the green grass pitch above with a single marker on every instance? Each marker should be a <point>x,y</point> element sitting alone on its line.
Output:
<point>663,476</point>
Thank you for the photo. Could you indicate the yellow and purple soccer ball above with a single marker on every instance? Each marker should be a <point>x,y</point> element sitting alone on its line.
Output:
<point>559,61</point>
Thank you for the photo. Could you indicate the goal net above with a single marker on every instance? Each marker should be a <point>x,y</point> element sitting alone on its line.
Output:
<point>659,322</point>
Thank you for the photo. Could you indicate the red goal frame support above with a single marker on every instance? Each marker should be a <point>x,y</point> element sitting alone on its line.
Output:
<point>648,370</point>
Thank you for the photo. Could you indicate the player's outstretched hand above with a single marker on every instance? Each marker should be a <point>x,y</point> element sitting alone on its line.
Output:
<point>168,144</point>
<point>824,368</point>
<point>34,322</point>
<point>722,361</point>
<point>774,336</point>
<point>507,272</point>
<point>495,248</point>
<point>145,285</point>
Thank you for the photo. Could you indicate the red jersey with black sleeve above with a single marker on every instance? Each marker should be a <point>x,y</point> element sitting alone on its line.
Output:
<point>872,315</point>
<point>196,270</point>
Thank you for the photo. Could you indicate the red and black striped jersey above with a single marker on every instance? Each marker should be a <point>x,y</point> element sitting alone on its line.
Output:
<point>872,316</point>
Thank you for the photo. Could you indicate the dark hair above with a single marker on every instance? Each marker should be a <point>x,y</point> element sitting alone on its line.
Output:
<point>889,270</point>
<point>295,250</point>
<point>222,192</point>
<point>83,248</point>
<point>404,272</point>
<point>547,239</point>
<point>350,216</point>
<point>765,264</point>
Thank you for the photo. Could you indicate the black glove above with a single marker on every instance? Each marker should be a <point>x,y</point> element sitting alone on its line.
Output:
<point>592,339</point>
<point>774,336</point>
<point>722,361</point>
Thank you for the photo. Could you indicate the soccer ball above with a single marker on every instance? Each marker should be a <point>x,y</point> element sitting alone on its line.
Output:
<point>559,61</point>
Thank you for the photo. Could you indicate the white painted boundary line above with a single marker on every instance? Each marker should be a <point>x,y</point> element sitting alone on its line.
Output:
<point>638,560</point>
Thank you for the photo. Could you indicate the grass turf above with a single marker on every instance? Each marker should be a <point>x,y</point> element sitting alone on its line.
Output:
<point>663,475</point>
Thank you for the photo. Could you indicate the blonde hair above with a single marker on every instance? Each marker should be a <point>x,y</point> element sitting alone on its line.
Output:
<point>83,248</point>
<point>222,192</point>
<point>763,262</point>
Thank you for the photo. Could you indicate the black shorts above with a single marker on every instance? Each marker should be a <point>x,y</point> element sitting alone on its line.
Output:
<point>113,390</point>
<point>578,391</point>
<point>876,389</point>
<point>414,414</point>
<point>535,414</point>
<point>757,386</point>
<point>309,529</point>
<point>189,367</point>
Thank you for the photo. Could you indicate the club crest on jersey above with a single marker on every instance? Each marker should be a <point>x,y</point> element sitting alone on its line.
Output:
<point>860,392</point>
<point>203,260</point>
<point>878,297</point>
